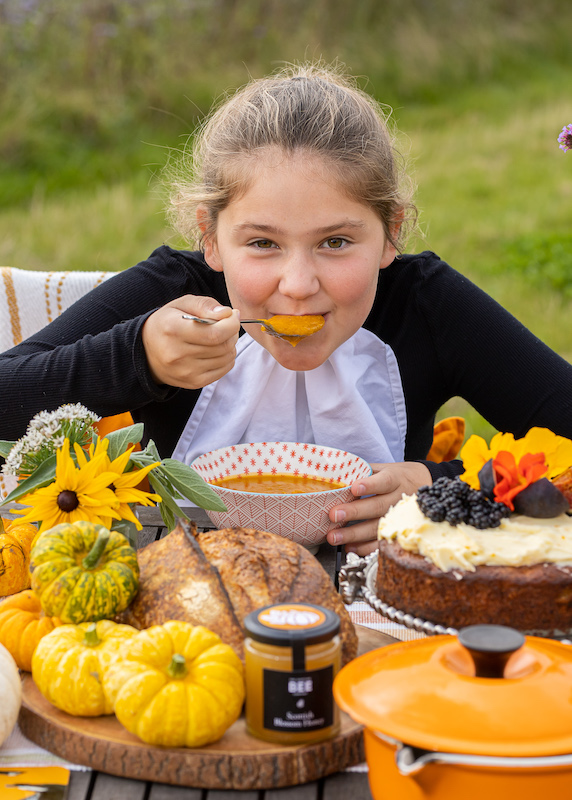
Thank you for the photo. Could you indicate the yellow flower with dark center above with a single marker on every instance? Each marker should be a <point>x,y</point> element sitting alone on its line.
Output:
<point>125,483</point>
<point>78,492</point>
<point>557,452</point>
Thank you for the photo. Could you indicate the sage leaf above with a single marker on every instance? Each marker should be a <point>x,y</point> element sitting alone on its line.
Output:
<point>168,507</point>
<point>120,440</point>
<point>142,458</point>
<point>190,485</point>
<point>168,517</point>
<point>151,450</point>
<point>127,529</point>
<point>42,476</point>
<point>5,448</point>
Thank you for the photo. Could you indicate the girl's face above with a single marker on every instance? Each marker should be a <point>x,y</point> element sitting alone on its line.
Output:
<point>295,243</point>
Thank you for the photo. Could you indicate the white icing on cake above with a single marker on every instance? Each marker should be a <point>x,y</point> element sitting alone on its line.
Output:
<point>518,541</point>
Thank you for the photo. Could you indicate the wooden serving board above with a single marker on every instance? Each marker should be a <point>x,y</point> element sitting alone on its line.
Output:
<point>237,761</point>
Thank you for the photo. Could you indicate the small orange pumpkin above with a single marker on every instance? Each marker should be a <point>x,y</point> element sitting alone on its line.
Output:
<point>22,625</point>
<point>15,545</point>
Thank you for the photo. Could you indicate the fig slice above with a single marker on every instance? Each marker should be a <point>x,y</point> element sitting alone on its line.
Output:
<point>487,479</point>
<point>541,499</point>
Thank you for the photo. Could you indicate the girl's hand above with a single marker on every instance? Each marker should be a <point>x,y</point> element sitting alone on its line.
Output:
<point>184,353</point>
<point>386,485</point>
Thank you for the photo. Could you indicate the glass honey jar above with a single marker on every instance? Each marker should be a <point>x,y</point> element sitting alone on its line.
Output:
<point>292,655</point>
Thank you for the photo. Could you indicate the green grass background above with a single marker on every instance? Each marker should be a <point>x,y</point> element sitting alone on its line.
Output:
<point>95,95</point>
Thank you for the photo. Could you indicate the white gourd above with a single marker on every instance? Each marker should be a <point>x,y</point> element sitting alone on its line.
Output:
<point>10,694</point>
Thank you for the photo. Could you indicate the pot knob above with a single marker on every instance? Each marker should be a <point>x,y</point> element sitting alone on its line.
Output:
<point>490,647</point>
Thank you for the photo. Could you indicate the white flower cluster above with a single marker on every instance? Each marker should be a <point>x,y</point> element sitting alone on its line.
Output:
<point>45,433</point>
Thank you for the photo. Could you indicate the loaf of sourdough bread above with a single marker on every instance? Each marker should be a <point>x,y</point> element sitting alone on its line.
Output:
<point>216,578</point>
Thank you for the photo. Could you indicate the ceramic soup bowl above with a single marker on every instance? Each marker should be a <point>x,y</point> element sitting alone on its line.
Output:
<point>301,516</point>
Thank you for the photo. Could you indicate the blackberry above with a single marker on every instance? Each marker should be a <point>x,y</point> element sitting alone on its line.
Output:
<point>452,500</point>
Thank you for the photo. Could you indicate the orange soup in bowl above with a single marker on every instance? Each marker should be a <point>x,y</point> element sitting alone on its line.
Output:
<point>277,484</point>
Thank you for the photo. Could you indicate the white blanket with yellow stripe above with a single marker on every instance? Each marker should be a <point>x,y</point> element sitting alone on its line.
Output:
<point>29,300</point>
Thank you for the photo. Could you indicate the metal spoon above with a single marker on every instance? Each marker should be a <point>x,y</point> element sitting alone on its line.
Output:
<point>265,324</point>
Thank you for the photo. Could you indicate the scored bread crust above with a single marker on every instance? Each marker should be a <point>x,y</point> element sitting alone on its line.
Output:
<point>534,599</point>
<point>216,578</point>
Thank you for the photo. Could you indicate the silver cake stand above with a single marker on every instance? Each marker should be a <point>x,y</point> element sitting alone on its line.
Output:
<point>357,582</point>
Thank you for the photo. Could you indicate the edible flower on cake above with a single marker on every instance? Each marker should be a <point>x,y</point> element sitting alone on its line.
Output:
<point>517,459</point>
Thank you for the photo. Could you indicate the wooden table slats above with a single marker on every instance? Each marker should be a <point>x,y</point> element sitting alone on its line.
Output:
<point>160,791</point>
<point>98,786</point>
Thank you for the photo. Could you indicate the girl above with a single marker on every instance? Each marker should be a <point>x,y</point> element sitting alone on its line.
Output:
<point>295,193</point>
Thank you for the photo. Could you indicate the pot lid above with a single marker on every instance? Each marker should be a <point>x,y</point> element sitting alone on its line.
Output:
<point>489,691</point>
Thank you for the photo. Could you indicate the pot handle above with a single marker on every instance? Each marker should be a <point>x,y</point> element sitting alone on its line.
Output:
<point>411,760</point>
<point>490,647</point>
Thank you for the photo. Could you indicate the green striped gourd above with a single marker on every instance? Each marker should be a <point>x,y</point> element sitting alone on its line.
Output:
<point>82,572</point>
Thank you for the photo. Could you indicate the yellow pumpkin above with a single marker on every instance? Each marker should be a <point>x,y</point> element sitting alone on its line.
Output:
<point>176,685</point>
<point>69,663</point>
<point>22,625</point>
<point>15,545</point>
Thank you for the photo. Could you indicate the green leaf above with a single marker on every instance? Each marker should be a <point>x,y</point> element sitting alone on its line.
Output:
<point>128,529</point>
<point>42,476</point>
<point>190,485</point>
<point>169,518</point>
<point>168,508</point>
<point>120,440</point>
<point>151,450</point>
<point>5,448</point>
<point>142,459</point>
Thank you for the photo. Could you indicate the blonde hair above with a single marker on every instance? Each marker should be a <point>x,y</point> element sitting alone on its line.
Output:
<point>307,108</point>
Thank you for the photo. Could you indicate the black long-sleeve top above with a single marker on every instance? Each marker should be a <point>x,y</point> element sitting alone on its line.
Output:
<point>449,337</point>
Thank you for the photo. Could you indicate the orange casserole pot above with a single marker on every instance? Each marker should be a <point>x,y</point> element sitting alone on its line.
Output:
<point>485,715</point>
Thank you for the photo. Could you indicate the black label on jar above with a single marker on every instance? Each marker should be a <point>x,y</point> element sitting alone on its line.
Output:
<point>298,701</point>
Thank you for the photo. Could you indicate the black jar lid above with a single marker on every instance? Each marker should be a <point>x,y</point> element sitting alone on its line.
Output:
<point>284,624</point>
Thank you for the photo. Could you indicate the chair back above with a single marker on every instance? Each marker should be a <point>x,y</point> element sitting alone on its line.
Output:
<point>29,300</point>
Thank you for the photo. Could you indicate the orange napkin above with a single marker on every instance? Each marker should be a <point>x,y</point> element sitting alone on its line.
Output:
<point>19,783</point>
<point>448,436</point>
<point>108,424</point>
